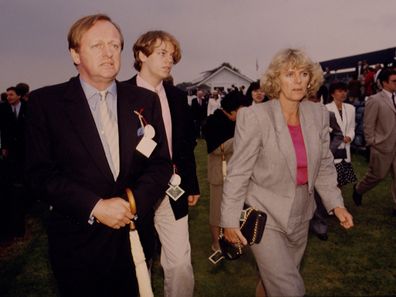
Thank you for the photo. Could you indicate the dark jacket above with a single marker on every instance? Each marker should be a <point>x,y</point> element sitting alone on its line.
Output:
<point>218,129</point>
<point>66,162</point>
<point>183,144</point>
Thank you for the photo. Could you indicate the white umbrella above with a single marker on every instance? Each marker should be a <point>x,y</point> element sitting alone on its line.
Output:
<point>142,273</point>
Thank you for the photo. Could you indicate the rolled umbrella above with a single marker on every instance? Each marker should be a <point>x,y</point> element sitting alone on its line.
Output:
<point>142,273</point>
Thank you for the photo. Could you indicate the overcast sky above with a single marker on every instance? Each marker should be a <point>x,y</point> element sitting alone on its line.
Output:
<point>33,46</point>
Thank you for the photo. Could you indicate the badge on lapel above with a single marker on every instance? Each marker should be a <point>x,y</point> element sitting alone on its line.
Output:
<point>146,145</point>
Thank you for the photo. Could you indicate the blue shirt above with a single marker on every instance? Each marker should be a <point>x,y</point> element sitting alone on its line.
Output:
<point>93,98</point>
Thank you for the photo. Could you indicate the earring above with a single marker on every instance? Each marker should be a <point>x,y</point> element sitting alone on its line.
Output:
<point>309,86</point>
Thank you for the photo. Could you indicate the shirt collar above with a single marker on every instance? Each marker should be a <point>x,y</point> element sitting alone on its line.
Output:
<point>389,94</point>
<point>144,84</point>
<point>91,93</point>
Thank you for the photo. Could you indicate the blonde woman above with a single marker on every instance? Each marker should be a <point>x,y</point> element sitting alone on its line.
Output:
<point>281,153</point>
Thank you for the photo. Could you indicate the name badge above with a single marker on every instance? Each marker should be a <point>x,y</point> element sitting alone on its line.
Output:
<point>146,146</point>
<point>174,191</point>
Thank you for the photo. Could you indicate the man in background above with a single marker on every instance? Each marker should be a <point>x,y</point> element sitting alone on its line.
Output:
<point>199,108</point>
<point>380,135</point>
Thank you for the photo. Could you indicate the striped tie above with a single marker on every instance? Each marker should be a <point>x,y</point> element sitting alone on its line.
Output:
<point>110,134</point>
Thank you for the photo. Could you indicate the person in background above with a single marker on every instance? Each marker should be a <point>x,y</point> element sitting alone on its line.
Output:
<point>83,152</point>
<point>345,115</point>
<point>281,154</point>
<point>199,107</point>
<point>23,89</point>
<point>13,154</point>
<point>214,102</point>
<point>380,135</point>
<point>318,224</point>
<point>155,54</point>
<point>254,94</point>
<point>219,134</point>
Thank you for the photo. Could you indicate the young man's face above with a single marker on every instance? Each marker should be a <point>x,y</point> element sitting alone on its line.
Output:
<point>159,64</point>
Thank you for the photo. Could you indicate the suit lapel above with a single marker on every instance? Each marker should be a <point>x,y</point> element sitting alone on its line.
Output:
<point>387,101</point>
<point>340,122</point>
<point>171,97</point>
<point>79,113</point>
<point>284,139</point>
<point>127,128</point>
<point>308,128</point>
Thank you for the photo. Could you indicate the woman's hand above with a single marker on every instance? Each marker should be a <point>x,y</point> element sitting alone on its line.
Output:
<point>344,216</point>
<point>234,235</point>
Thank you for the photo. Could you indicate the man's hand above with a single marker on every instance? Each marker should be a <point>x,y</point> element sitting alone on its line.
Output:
<point>193,199</point>
<point>114,212</point>
<point>4,153</point>
<point>344,217</point>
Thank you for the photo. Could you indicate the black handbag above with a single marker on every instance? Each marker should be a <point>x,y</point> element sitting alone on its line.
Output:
<point>252,225</point>
<point>340,154</point>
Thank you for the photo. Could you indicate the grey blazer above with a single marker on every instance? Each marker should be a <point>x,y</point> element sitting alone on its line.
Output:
<point>262,171</point>
<point>380,122</point>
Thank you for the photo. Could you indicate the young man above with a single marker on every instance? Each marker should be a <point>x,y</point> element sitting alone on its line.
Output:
<point>82,137</point>
<point>155,54</point>
<point>380,135</point>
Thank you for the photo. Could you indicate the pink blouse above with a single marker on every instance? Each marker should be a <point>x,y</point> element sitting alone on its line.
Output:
<point>301,154</point>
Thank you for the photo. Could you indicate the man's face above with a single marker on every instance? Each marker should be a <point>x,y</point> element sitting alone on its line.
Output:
<point>98,58</point>
<point>159,64</point>
<point>390,85</point>
<point>12,97</point>
<point>200,94</point>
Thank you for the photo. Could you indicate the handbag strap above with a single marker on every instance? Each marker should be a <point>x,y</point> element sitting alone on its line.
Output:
<point>223,161</point>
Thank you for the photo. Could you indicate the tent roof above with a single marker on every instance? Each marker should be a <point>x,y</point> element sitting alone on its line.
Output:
<point>384,56</point>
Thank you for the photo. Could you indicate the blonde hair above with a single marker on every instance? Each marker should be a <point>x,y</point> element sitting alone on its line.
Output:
<point>291,58</point>
<point>146,44</point>
<point>81,26</point>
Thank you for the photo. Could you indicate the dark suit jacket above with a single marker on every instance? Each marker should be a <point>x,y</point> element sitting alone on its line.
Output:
<point>66,162</point>
<point>183,143</point>
<point>13,130</point>
<point>199,112</point>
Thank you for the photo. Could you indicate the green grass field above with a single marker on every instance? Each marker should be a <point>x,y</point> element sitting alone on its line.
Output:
<point>357,262</point>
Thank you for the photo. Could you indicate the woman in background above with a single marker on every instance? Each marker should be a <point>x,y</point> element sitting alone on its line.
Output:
<point>219,132</point>
<point>254,94</point>
<point>345,116</point>
<point>281,153</point>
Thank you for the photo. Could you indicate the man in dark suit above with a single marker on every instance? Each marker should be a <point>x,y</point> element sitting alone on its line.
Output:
<point>199,110</point>
<point>155,53</point>
<point>12,150</point>
<point>86,145</point>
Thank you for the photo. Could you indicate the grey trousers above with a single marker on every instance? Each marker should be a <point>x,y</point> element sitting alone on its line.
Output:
<point>379,166</point>
<point>279,254</point>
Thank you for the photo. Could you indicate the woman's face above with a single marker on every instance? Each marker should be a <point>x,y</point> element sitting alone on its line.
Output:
<point>258,95</point>
<point>293,84</point>
<point>339,95</point>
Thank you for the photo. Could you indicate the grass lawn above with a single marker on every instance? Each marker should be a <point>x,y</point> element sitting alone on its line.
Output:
<point>357,262</point>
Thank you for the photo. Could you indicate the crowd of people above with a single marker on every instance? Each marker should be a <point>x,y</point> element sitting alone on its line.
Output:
<point>80,144</point>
